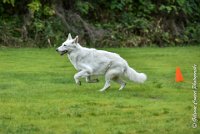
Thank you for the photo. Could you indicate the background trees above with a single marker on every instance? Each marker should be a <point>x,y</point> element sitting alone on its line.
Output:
<point>45,23</point>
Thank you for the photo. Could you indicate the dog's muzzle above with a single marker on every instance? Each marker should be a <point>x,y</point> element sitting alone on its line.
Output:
<point>62,52</point>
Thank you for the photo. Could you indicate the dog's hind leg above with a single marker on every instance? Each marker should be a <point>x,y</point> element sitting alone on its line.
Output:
<point>121,82</point>
<point>110,74</point>
<point>106,86</point>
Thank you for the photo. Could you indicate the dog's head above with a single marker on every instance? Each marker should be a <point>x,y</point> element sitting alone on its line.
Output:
<point>68,46</point>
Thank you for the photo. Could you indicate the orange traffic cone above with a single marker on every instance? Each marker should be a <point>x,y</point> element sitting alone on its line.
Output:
<point>179,77</point>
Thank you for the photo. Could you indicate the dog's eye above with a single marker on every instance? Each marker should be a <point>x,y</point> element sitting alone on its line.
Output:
<point>64,45</point>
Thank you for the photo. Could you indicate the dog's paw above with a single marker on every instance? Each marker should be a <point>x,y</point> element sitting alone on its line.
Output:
<point>78,83</point>
<point>101,90</point>
<point>122,86</point>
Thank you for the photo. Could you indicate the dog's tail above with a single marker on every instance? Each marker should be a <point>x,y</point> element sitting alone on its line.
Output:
<point>132,75</point>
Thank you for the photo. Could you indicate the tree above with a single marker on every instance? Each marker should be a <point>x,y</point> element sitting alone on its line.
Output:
<point>100,23</point>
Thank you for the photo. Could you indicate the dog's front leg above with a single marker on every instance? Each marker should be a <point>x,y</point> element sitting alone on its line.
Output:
<point>89,80</point>
<point>80,74</point>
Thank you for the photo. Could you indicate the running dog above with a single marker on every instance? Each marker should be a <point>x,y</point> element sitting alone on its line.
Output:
<point>91,62</point>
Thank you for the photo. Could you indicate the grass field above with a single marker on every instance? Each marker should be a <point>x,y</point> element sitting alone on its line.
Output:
<point>39,96</point>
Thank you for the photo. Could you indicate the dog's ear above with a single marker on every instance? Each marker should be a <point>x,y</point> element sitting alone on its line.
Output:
<point>69,37</point>
<point>76,39</point>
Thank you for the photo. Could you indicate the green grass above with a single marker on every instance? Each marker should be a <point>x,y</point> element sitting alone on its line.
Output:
<point>39,96</point>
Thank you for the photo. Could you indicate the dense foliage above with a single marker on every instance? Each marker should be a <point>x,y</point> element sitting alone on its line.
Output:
<point>114,23</point>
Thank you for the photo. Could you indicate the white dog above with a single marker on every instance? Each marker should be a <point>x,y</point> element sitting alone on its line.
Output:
<point>91,62</point>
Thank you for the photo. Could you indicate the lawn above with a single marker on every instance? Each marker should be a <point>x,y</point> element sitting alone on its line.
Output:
<point>38,94</point>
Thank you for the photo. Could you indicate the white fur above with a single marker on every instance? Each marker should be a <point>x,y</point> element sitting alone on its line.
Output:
<point>91,62</point>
